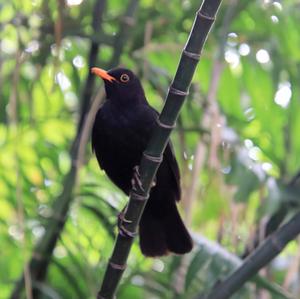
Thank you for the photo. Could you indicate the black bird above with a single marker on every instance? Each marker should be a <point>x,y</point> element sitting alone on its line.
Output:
<point>122,129</point>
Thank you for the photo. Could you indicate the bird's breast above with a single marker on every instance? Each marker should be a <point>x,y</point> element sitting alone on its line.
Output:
<point>119,139</point>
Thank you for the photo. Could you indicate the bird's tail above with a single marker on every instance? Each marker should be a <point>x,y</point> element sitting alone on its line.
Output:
<point>161,234</point>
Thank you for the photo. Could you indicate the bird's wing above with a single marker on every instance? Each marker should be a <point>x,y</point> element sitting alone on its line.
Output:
<point>135,141</point>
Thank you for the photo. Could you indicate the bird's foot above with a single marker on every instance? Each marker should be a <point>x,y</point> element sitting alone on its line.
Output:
<point>121,220</point>
<point>136,179</point>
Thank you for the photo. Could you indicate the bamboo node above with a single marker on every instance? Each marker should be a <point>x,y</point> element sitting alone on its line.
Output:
<point>117,266</point>
<point>178,92</point>
<point>153,158</point>
<point>192,55</point>
<point>202,15</point>
<point>165,126</point>
<point>139,197</point>
<point>125,232</point>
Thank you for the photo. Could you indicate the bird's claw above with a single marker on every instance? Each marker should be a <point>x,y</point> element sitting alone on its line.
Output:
<point>136,179</point>
<point>122,229</point>
<point>121,219</point>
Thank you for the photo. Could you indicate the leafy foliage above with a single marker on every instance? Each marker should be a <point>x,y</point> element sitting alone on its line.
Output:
<point>238,146</point>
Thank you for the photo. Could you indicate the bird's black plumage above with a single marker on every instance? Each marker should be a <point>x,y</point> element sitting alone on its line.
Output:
<point>122,128</point>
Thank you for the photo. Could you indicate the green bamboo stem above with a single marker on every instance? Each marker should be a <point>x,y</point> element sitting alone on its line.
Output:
<point>231,262</point>
<point>260,257</point>
<point>153,155</point>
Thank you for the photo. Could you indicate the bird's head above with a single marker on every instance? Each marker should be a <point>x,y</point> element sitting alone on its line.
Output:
<point>121,85</point>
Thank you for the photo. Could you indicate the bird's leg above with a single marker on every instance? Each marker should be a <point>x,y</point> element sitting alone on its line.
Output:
<point>136,179</point>
<point>123,231</point>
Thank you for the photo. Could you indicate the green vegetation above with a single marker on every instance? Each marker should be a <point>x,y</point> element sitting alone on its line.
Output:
<point>236,141</point>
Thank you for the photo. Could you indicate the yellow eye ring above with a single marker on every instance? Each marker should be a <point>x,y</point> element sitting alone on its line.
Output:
<point>124,78</point>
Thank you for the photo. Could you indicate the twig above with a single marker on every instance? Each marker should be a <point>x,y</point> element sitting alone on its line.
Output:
<point>213,118</point>
<point>98,11</point>
<point>153,154</point>
<point>13,97</point>
<point>127,21</point>
<point>269,249</point>
<point>58,31</point>
<point>87,126</point>
<point>293,270</point>
<point>21,222</point>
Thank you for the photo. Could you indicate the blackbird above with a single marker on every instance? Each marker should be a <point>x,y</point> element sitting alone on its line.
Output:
<point>121,131</point>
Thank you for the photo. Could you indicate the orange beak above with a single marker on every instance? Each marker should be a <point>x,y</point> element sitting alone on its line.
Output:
<point>102,74</point>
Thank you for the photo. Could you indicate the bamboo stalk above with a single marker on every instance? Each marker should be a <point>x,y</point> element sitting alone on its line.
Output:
<point>260,257</point>
<point>274,221</point>
<point>200,153</point>
<point>153,155</point>
<point>232,261</point>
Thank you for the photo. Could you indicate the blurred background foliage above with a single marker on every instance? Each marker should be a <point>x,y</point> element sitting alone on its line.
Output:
<point>237,142</point>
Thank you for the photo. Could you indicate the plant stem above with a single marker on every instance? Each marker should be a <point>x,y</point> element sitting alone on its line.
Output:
<point>153,154</point>
<point>260,257</point>
<point>86,96</point>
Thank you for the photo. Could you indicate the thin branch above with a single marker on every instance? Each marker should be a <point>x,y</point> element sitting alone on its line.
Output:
<point>274,221</point>
<point>58,30</point>
<point>13,97</point>
<point>153,155</point>
<point>230,262</point>
<point>293,270</point>
<point>127,21</point>
<point>269,249</point>
<point>98,11</point>
<point>211,116</point>
<point>87,126</point>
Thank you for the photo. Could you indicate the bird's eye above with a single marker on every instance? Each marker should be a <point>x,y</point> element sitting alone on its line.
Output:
<point>124,78</point>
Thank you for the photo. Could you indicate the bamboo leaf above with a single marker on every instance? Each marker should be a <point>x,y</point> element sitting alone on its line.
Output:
<point>102,218</point>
